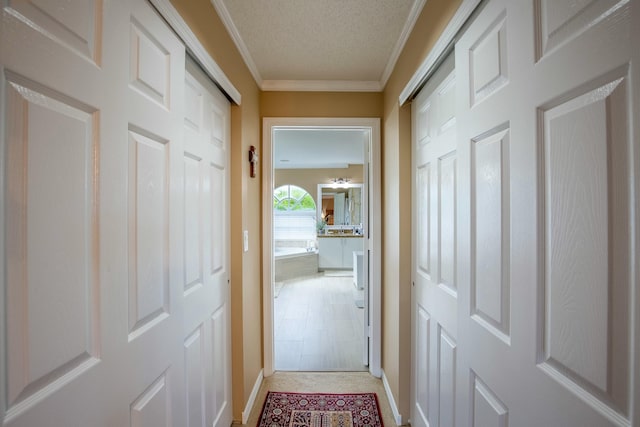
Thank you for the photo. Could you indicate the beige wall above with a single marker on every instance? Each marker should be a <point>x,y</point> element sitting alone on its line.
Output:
<point>321,104</point>
<point>246,302</point>
<point>310,178</point>
<point>396,264</point>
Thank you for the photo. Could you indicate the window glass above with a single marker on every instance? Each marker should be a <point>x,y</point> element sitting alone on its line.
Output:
<point>294,214</point>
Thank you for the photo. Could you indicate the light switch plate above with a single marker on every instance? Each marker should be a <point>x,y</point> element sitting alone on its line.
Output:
<point>245,240</point>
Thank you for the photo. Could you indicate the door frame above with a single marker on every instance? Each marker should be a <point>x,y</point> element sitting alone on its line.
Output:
<point>374,234</point>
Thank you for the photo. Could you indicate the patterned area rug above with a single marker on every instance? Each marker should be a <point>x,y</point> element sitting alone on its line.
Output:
<point>320,410</point>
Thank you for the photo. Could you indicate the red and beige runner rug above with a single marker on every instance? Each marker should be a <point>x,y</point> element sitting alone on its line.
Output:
<point>320,410</point>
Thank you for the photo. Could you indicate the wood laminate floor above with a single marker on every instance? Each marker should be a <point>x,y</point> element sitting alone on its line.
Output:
<point>317,325</point>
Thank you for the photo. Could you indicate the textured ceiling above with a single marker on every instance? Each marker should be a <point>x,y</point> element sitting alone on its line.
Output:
<point>352,44</point>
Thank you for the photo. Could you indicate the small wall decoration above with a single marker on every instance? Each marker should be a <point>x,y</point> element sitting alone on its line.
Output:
<point>253,161</point>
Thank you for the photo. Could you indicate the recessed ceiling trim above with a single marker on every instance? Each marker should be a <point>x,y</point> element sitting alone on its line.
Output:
<point>320,86</point>
<point>416,9</point>
<point>224,15</point>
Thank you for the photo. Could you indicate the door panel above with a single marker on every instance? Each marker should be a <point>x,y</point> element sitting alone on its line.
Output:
<point>489,288</point>
<point>152,407</point>
<point>220,382</point>
<point>486,408</point>
<point>194,359</point>
<point>193,245</point>
<point>544,169</point>
<point>447,378</point>
<point>544,219</point>
<point>53,336</point>
<point>206,296</point>
<point>155,250</point>
<point>49,136</point>
<point>586,235</point>
<point>486,185</point>
<point>148,233</point>
<point>219,220</point>
<point>421,368</point>
<point>111,223</point>
<point>435,285</point>
<point>75,25</point>
<point>447,216</point>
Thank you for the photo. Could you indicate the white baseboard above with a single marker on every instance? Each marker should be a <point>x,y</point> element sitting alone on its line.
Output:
<point>392,401</point>
<point>252,397</point>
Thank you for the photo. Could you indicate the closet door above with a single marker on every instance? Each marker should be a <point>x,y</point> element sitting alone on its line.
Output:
<point>548,325</point>
<point>435,286</point>
<point>150,355</point>
<point>61,78</point>
<point>206,247</point>
<point>92,113</point>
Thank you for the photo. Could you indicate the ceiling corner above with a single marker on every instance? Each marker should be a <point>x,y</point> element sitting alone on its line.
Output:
<point>224,15</point>
<point>414,13</point>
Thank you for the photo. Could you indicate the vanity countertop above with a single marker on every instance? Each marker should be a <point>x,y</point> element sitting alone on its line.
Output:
<point>331,235</point>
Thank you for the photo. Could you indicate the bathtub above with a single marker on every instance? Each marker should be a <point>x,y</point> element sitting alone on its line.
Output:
<point>293,262</point>
<point>286,251</point>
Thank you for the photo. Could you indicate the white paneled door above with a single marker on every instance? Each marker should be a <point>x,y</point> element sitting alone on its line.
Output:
<point>100,267</point>
<point>206,277</point>
<point>547,221</point>
<point>435,288</point>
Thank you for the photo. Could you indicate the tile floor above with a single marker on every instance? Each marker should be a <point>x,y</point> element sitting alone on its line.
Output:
<point>317,325</point>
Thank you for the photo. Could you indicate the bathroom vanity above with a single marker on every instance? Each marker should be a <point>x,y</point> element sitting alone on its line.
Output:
<point>335,251</point>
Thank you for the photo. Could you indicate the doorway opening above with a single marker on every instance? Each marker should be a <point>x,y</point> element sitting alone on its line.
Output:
<point>319,305</point>
<point>309,294</point>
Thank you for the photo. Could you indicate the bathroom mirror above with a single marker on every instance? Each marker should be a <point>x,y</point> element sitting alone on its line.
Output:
<point>340,205</point>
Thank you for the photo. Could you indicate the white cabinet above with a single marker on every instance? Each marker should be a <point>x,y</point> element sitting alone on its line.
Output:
<point>357,269</point>
<point>330,252</point>
<point>337,252</point>
<point>349,245</point>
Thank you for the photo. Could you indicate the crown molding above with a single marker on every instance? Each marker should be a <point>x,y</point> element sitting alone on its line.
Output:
<point>312,166</point>
<point>442,46</point>
<point>200,54</point>
<point>321,86</point>
<point>224,15</point>
<point>414,13</point>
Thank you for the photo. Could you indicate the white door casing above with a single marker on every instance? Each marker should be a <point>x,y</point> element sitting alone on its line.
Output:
<point>94,208</point>
<point>372,225</point>
<point>207,345</point>
<point>435,293</point>
<point>546,330</point>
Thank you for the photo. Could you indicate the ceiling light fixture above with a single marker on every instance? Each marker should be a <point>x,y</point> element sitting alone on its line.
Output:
<point>340,182</point>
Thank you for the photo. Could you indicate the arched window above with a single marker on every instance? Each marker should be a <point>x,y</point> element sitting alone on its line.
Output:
<point>294,214</point>
<point>293,198</point>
